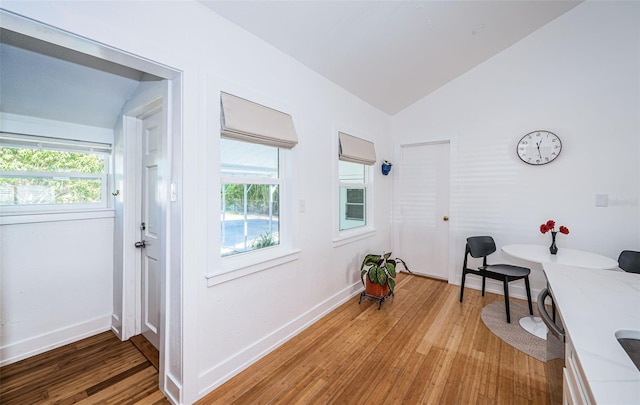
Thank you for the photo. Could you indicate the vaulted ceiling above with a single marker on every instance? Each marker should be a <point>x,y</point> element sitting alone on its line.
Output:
<point>391,53</point>
<point>388,53</point>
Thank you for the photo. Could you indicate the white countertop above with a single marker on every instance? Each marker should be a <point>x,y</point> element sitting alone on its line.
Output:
<point>571,257</point>
<point>594,305</point>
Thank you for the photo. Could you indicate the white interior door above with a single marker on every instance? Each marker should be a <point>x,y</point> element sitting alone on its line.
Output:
<point>150,227</point>
<point>424,200</point>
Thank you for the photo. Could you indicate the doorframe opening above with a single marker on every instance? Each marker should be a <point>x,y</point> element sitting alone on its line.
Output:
<point>133,140</point>
<point>170,380</point>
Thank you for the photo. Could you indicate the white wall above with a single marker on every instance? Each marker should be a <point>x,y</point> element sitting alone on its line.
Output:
<point>56,284</point>
<point>229,325</point>
<point>578,77</point>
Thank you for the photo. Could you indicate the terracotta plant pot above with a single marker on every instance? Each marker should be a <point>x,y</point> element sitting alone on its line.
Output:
<point>376,290</point>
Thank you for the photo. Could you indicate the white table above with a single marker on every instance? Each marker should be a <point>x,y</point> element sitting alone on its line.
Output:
<point>569,257</point>
<point>565,256</point>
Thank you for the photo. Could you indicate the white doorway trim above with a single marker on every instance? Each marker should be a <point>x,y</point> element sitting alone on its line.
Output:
<point>149,98</point>
<point>131,286</point>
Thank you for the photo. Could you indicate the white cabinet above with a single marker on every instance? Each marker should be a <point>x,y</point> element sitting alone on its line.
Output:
<point>595,304</point>
<point>575,389</point>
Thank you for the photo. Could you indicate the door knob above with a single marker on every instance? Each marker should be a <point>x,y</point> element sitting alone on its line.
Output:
<point>140,244</point>
<point>445,218</point>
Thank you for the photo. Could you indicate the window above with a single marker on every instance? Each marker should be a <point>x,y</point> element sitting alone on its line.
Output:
<point>355,204</point>
<point>38,173</point>
<point>250,196</point>
<point>353,177</point>
<point>254,142</point>
<point>353,195</point>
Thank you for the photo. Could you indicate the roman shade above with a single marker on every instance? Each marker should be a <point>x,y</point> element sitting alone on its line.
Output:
<point>244,120</point>
<point>356,150</point>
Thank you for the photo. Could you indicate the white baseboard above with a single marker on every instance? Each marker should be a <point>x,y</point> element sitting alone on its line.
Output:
<point>116,326</point>
<point>172,390</point>
<point>23,349</point>
<point>216,376</point>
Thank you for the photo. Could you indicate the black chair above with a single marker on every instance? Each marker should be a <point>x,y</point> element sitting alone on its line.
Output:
<point>629,261</point>
<point>483,246</point>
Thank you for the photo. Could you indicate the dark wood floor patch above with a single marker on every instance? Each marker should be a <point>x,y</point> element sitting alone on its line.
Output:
<point>99,369</point>
<point>117,378</point>
<point>147,349</point>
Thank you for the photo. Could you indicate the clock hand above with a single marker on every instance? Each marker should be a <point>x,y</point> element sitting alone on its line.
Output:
<point>538,146</point>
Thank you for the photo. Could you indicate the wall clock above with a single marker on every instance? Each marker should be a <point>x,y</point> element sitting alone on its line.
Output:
<point>539,147</point>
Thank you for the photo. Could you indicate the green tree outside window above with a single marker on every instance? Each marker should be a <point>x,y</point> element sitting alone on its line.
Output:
<point>38,176</point>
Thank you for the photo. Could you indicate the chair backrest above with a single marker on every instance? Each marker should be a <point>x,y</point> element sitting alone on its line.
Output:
<point>629,261</point>
<point>481,246</point>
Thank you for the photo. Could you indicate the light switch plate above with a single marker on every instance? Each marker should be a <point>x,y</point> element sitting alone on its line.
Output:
<point>174,192</point>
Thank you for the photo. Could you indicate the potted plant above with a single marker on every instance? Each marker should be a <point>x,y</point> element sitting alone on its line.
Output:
<point>380,271</point>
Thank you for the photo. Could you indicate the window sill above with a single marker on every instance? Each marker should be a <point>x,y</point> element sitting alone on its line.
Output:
<point>346,238</point>
<point>246,264</point>
<point>30,218</point>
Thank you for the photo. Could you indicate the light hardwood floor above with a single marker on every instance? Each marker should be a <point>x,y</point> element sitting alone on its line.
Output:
<point>423,346</point>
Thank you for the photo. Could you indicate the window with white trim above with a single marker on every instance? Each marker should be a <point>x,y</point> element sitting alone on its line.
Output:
<point>355,156</point>
<point>50,174</point>
<point>255,142</point>
<point>250,196</point>
<point>353,195</point>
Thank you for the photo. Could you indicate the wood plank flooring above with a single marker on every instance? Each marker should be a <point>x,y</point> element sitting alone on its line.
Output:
<point>423,346</point>
<point>147,350</point>
<point>100,369</point>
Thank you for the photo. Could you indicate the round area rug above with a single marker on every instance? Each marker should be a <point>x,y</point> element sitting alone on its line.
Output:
<point>495,318</point>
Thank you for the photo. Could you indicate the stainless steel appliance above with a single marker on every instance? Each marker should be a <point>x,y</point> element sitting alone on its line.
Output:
<point>555,345</point>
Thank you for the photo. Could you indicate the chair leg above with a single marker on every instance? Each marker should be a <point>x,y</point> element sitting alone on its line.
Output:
<point>506,299</point>
<point>462,285</point>
<point>526,284</point>
<point>484,281</point>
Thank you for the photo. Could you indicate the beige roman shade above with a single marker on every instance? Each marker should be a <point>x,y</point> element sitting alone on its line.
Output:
<point>244,120</point>
<point>356,150</point>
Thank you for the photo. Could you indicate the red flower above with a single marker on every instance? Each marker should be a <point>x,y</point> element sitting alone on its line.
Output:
<point>550,226</point>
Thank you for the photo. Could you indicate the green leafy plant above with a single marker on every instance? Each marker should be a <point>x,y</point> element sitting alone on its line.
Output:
<point>51,185</point>
<point>264,240</point>
<point>381,269</point>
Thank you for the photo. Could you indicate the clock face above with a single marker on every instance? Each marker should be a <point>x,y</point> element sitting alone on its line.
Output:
<point>539,147</point>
